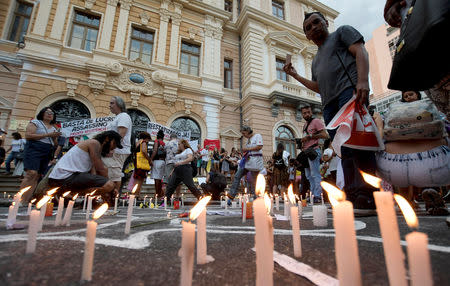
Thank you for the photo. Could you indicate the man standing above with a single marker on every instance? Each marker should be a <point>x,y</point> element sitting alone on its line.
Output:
<point>341,61</point>
<point>312,132</point>
<point>122,124</point>
<point>205,158</point>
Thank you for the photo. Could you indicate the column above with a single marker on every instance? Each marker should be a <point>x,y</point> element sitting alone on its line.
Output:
<point>162,36</point>
<point>208,51</point>
<point>176,21</point>
<point>60,18</point>
<point>108,22</point>
<point>40,25</point>
<point>217,48</point>
<point>308,64</point>
<point>122,25</point>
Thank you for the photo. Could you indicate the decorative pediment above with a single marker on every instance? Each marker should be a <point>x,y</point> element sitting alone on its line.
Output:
<point>284,38</point>
<point>130,79</point>
<point>230,133</point>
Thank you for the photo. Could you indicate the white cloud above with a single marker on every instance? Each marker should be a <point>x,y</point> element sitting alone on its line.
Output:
<point>363,15</point>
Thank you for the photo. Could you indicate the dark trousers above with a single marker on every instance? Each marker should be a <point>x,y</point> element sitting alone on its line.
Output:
<point>353,160</point>
<point>183,174</point>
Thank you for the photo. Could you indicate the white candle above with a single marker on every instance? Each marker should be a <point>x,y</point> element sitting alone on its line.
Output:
<point>165,203</point>
<point>156,201</point>
<point>347,258</point>
<point>42,216</point>
<point>84,202</point>
<point>233,205</point>
<point>89,207</point>
<point>129,213</point>
<point>11,218</point>
<point>135,202</point>
<point>115,203</point>
<point>244,210</point>
<point>419,259</point>
<point>296,232</point>
<point>17,198</point>
<point>387,218</point>
<point>277,202</point>
<point>59,212</point>
<point>201,238</point>
<point>89,246</point>
<point>68,214</point>
<point>4,194</point>
<point>29,208</point>
<point>182,200</point>
<point>187,253</point>
<point>320,215</point>
<point>123,202</point>
<point>264,252</point>
<point>33,228</point>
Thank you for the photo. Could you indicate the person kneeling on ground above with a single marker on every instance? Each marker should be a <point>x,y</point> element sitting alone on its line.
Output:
<point>215,184</point>
<point>81,169</point>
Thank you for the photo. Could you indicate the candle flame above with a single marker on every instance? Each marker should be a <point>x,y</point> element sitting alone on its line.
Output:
<point>22,191</point>
<point>75,197</point>
<point>43,201</point>
<point>100,211</point>
<point>32,201</point>
<point>371,180</point>
<point>66,193</point>
<point>407,210</point>
<point>52,191</point>
<point>245,190</point>
<point>291,194</point>
<point>91,194</point>
<point>334,194</point>
<point>198,208</point>
<point>267,203</point>
<point>134,188</point>
<point>260,185</point>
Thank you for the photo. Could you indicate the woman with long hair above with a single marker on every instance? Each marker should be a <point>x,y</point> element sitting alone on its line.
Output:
<point>182,171</point>
<point>140,175</point>
<point>41,141</point>
<point>158,162</point>
<point>17,148</point>
<point>280,174</point>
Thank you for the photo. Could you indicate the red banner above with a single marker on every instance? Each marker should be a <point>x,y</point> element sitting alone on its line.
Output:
<point>211,143</point>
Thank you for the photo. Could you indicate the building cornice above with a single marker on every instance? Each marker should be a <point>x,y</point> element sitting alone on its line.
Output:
<point>322,8</point>
<point>207,9</point>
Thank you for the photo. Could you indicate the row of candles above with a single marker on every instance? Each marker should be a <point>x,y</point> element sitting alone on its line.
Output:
<point>347,257</point>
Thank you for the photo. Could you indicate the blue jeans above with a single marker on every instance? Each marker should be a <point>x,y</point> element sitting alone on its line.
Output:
<point>353,160</point>
<point>313,174</point>
<point>237,181</point>
<point>12,156</point>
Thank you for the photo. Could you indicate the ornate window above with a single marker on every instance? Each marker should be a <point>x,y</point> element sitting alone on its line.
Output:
<point>285,135</point>
<point>187,124</point>
<point>278,9</point>
<point>228,73</point>
<point>190,55</point>
<point>228,5</point>
<point>281,75</point>
<point>84,31</point>
<point>141,45</point>
<point>139,119</point>
<point>21,19</point>
<point>69,109</point>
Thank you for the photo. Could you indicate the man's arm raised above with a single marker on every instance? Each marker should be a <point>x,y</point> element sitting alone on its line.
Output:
<point>312,85</point>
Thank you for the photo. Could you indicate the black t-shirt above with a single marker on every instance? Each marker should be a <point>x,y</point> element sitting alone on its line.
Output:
<point>278,161</point>
<point>2,153</point>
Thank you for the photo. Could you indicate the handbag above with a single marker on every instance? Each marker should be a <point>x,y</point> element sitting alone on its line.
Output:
<point>21,154</point>
<point>254,163</point>
<point>142,162</point>
<point>422,58</point>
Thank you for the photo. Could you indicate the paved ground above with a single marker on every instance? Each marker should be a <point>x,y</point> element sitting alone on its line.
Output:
<point>149,255</point>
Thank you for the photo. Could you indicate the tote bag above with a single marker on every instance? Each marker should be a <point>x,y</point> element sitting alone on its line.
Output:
<point>142,162</point>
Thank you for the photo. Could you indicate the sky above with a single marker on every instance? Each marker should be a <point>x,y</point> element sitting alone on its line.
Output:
<point>364,15</point>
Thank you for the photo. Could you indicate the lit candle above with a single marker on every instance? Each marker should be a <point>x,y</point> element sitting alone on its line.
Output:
<point>89,204</point>
<point>234,205</point>
<point>130,210</point>
<point>91,230</point>
<point>387,218</point>
<point>156,201</point>
<point>244,209</point>
<point>263,236</point>
<point>11,218</point>
<point>182,200</point>
<point>347,258</point>
<point>277,202</point>
<point>320,215</point>
<point>68,214</point>
<point>30,204</point>
<point>171,200</point>
<point>58,218</point>
<point>33,228</point>
<point>43,207</point>
<point>12,215</point>
<point>165,203</point>
<point>115,203</point>
<point>226,203</point>
<point>295,224</point>
<point>123,202</point>
<point>84,202</point>
<point>417,249</point>
<point>201,233</point>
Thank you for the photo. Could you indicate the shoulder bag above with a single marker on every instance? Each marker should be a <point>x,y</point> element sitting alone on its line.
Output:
<point>141,162</point>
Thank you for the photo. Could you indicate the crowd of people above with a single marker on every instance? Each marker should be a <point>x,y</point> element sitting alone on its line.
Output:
<point>415,161</point>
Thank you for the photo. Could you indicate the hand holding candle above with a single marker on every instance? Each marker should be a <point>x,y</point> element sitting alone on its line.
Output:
<point>91,230</point>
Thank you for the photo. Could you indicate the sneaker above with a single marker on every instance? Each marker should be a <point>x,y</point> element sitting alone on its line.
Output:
<point>434,204</point>
<point>364,206</point>
<point>229,202</point>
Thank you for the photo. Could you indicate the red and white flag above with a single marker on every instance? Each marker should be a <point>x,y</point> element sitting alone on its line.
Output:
<point>356,129</point>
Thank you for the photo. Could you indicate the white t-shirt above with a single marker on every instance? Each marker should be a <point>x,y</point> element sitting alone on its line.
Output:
<point>122,120</point>
<point>16,144</point>
<point>205,154</point>
<point>255,140</point>
<point>183,155</point>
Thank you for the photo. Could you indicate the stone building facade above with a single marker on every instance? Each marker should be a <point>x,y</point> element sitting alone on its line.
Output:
<point>207,66</point>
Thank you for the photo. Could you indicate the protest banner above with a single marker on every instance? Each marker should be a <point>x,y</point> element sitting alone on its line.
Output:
<point>85,126</point>
<point>356,129</point>
<point>153,129</point>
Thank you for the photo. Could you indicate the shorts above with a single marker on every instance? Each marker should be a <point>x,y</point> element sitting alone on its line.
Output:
<point>204,164</point>
<point>157,170</point>
<point>79,182</point>
<point>114,165</point>
<point>423,169</point>
<point>37,156</point>
<point>168,169</point>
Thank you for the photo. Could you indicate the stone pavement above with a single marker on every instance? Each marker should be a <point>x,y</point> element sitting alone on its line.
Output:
<point>148,256</point>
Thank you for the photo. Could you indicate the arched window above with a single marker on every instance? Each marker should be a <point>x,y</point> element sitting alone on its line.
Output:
<point>285,135</point>
<point>187,124</point>
<point>139,119</point>
<point>70,109</point>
